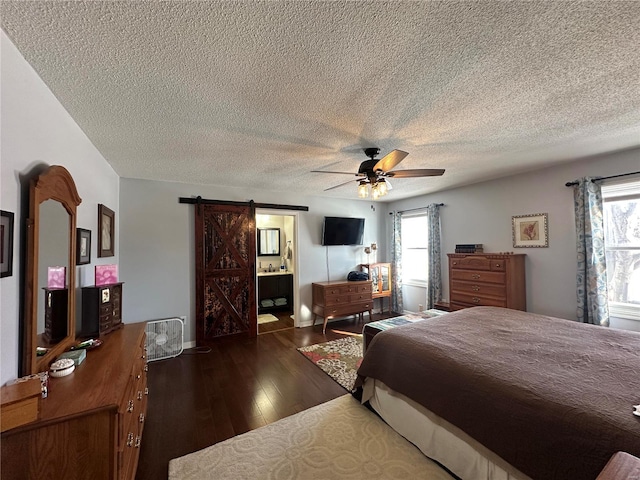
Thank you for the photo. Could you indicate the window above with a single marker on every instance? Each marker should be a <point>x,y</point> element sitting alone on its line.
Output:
<point>622,247</point>
<point>415,250</point>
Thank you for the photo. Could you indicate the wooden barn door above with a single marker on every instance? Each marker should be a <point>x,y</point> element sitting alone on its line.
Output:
<point>225,237</point>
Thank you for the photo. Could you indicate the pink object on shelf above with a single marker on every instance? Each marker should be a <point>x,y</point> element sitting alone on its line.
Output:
<point>56,277</point>
<point>106,274</point>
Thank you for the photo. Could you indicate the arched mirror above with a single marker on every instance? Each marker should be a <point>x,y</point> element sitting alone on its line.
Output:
<point>50,305</point>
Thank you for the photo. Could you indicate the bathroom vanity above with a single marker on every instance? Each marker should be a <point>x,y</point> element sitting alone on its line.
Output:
<point>275,291</point>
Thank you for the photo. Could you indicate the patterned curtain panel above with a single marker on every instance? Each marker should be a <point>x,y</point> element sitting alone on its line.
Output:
<point>591,280</point>
<point>434,282</point>
<point>396,258</point>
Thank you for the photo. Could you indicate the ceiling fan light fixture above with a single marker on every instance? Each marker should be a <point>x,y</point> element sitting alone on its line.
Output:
<point>363,189</point>
<point>382,186</point>
<point>375,191</point>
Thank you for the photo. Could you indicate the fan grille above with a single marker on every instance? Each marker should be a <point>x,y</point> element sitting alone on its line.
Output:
<point>164,338</point>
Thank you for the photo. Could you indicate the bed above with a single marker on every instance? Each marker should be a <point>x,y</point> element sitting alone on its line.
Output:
<point>503,394</point>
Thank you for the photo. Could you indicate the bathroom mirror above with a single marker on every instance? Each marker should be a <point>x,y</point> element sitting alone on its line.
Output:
<point>269,242</point>
<point>51,242</point>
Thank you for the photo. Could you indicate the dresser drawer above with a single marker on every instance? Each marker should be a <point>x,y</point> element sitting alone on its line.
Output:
<point>477,288</point>
<point>353,308</point>
<point>478,276</point>
<point>471,263</point>
<point>471,300</point>
<point>348,309</point>
<point>339,299</point>
<point>360,297</point>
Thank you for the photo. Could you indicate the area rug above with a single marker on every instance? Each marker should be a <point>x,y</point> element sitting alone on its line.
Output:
<point>338,439</point>
<point>266,318</point>
<point>339,359</point>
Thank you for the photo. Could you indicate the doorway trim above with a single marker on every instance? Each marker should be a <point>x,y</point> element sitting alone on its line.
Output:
<point>262,210</point>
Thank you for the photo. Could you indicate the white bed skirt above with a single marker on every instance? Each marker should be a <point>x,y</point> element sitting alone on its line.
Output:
<point>437,438</point>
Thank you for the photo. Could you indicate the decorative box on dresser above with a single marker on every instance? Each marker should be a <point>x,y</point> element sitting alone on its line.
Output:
<point>90,425</point>
<point>341,299</point>
<point>56,303</point>
<point>101,309</point>
<point>488,279</point>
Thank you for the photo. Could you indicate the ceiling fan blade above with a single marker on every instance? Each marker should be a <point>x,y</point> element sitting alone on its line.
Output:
<point>341,173</point>
<point>390,160</point>
<point>419,172</point>
<point>341,184</point>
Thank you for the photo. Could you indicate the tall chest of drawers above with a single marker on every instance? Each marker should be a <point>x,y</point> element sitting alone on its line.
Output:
<point>496,280</point>
<point>90,425</point>
<point>340,299</point>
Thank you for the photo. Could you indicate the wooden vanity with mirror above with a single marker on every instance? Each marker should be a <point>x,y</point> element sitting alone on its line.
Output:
<point>90,425</point>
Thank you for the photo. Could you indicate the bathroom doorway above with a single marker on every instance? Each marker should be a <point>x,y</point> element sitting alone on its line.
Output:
<point>276,270</point>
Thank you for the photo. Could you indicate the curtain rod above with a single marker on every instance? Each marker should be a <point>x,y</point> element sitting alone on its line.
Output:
<point>570,184</point>
<point>203,201</point>
<point>414,209</point>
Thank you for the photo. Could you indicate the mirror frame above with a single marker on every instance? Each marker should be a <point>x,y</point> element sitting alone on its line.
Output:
<point>55,183</point>
<point>259,243</point>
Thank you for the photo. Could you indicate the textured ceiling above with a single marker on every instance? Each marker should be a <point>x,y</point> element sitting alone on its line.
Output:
<point>257,94</point>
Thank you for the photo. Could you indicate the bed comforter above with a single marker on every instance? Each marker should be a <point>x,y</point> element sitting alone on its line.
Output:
<point>550,396</point>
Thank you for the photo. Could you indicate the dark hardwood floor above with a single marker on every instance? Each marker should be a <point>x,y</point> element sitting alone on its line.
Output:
<point>284,321</point>
<point>198,399</point>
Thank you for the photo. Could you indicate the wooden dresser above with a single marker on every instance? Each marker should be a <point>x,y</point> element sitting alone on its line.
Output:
<point>340,299</point>
<point>91,423</point>
<point>488,279</point>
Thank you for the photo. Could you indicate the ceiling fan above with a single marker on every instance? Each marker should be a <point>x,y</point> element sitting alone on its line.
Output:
<point>375,173</point>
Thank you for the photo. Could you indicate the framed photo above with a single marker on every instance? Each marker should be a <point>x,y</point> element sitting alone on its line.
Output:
<point>530,230</point>
<point>105,295</point>
<point>83,246</point>
<point>106,231</point>
<point>6,244</point>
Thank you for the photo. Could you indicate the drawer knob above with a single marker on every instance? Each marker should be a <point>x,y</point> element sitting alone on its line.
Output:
<point>498,265</point>
<point>137,445</point>
<point>130,440</point>
<point>146,390</point>
<point>475,300</point>
<point>139,394</point>
<point>146,368</point>
<point>475,288</point>
<point>138,376</point>
<point>455,263</point>
<point>130,406</point>
<point>141,418</point>
<point>475,276</point>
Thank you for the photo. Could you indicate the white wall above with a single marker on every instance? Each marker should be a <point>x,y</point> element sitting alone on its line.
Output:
<point>482,213</point>
<point>157,239</point>
<point>37,130</point>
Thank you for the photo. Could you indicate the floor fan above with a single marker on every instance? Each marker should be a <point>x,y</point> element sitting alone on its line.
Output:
<point>164,338</point>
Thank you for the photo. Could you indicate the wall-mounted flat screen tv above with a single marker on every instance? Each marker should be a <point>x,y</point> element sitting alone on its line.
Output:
<point>342,231</point>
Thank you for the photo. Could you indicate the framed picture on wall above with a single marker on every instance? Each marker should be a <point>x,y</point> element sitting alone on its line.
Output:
<point>530,230</point>
<point>83,246</point>
<point>106,231</point>
<point>6,244</point>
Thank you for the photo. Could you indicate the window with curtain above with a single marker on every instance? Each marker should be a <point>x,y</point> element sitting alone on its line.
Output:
<point>415,249</point>
<point>622,247</point>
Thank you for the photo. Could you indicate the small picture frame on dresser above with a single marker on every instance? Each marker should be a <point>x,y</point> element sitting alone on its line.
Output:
<point>530,230</point>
